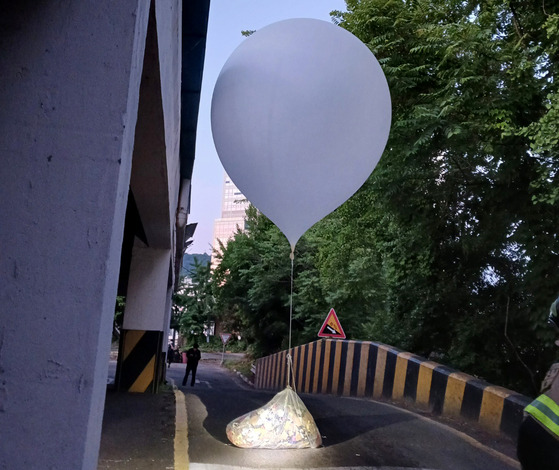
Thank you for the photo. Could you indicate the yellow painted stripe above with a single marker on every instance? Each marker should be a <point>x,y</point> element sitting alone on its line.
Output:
<point>400,375</point>
<point>326,368</point>
<point>455,393</point>
<point>292,374</point>
<point>424,382</point>
<point>181,432</point>
<point>270,371</point>
<point>274,371</point>
<point>131,339</point>
<point>141,384</point>
<point>363,366</point>
<point>258,379</point>
<point>301,358</point>
<point>349,368</point>
<point>317,366</point>
<point>286,367</point>
<point>492,405</point>
<point>264,370</point>
<point>310,349</point>
<point>379,371</point>
<point>337,361</point>
<point>278,369</point>
<point>282,366</point>
<point>263,373</point>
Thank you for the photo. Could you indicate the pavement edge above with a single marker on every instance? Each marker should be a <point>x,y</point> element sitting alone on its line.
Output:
<point>181,431</point>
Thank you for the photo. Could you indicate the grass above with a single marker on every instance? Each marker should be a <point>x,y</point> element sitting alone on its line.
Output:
<point>244,367</point>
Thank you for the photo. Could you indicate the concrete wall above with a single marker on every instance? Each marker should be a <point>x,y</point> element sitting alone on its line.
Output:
<point>70,75</point>
<point>377,371</point>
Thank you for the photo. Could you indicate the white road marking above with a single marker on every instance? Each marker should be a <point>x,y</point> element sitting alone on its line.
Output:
<point>210,466</point>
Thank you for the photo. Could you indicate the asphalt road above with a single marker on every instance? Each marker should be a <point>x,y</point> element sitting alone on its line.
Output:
<point>357,433</point>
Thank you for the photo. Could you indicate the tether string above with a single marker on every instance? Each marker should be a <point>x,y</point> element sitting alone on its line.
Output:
<point>292,256</point>
<point>290,372</point>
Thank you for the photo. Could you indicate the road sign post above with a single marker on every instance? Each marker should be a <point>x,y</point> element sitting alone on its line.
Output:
<point>224,338</point>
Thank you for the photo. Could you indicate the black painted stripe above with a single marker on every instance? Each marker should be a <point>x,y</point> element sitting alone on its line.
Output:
<point>355,368</point>
<point>389,372</point>
<point>439,381</point>
<point>312,366</point>
<point>412,376</point>
<point>283,365</point>
<point>267,373</point>
<point>304,352</point>
<point>280,362</point>
<point>333,345</point>
<point>371,369</point>
<point>320,365</point>
<point>139,357</point>
<point>273,371</point>
<point>513,412</point>
<point>343,364</point>
<point>473,396</point>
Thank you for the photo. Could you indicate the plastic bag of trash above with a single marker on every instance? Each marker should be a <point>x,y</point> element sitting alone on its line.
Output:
<point>282,423</point>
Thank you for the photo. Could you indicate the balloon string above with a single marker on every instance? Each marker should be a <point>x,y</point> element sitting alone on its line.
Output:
<point>290,372</point>
<point>289,359</point>
<point>292,256</point>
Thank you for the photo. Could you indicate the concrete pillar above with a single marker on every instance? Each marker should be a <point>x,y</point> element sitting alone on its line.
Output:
<point>155,186</point>
<point>69,82</point>
<point>144,320</point>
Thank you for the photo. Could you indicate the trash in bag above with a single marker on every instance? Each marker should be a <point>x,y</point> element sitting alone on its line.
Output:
<point>282,423</point>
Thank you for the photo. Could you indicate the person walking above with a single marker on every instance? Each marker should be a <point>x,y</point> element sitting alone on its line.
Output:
<point>193,356</point>
<point>170,355</point>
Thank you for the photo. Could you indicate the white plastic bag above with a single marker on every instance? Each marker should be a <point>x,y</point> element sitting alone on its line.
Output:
<point>282,423</point>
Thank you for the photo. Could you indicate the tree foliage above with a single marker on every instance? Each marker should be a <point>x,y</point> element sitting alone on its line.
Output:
<point>194,303</point>
<point>450,248</point>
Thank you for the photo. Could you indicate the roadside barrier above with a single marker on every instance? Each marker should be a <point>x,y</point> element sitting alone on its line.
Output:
<point>374,370</point>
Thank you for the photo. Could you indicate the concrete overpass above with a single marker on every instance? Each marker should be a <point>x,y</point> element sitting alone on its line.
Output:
<point>98,115</point>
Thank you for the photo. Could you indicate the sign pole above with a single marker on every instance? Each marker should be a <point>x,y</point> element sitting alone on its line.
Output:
<point>224,338</point>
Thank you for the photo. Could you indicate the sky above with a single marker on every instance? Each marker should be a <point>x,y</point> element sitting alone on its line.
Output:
<point>226,21</point>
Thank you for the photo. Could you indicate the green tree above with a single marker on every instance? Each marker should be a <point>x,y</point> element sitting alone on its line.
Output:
<point>450,247</point>
<point>455,239</point>
<point>193,303</point>
<point>253,279</point>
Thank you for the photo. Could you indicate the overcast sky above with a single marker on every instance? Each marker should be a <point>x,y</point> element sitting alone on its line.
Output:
<point>227,19</point>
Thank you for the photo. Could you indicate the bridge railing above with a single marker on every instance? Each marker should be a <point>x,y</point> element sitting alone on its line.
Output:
<point>378,371</point>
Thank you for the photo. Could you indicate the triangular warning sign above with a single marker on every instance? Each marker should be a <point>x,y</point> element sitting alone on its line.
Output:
<point>331,327</point>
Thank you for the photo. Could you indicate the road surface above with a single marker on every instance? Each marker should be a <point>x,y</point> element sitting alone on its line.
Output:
<point>357,433</point>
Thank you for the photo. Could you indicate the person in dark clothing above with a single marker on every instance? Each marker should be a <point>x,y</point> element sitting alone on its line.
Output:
<point>193,356</point>
<point>170,355</point>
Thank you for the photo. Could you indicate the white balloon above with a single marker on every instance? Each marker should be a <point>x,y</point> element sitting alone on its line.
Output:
<point>300,117</point>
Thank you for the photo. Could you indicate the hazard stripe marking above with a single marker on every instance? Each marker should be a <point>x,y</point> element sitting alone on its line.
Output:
<point>144,380</point>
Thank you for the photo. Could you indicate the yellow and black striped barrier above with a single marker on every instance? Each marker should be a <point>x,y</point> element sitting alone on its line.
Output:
<point>377,371</point>
<point>139,361</point>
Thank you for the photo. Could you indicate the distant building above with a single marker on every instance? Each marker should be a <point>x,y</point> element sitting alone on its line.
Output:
<point>233,214</point>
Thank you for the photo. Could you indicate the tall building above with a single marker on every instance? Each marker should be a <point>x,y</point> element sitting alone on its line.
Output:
<point>233,213</point>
